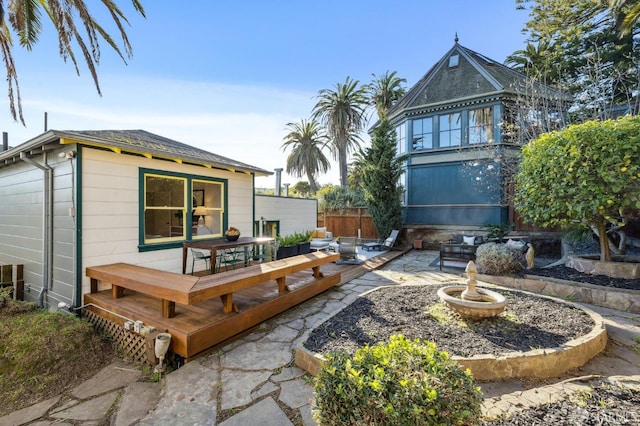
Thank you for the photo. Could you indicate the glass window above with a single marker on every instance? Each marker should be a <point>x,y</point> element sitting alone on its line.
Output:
<point>208,208</point>
<point>481,125</point>
<point>164,204</point>
<point>168,216</point>
<point>450,129</point>
<point>401,138</point>
<point>422,134</point>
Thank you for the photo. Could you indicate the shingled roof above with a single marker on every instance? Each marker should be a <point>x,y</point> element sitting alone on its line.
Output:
<point>474,77</point>
<point>138,142</point>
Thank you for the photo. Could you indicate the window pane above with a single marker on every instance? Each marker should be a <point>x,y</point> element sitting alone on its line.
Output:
<point>164,210</point>
<point>450,129</point>
<point>401,138</point>
<point>208,205</point>
<point>480,125</point>
<point>422,137</point>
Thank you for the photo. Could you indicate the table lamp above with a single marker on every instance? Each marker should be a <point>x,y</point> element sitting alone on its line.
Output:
<point>200,211</point>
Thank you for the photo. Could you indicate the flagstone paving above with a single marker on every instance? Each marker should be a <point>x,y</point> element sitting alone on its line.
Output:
<point>252,380</point>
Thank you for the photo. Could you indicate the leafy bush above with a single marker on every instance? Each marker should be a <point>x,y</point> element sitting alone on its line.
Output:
<point>498,231</point>
<point>396,383</point>
<point>499,259</point>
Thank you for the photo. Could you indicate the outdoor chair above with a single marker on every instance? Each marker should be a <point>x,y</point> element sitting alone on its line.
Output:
<point>196,256</point>
<point>230,258</point>
<point>384,245</point>
<point>348,251</point>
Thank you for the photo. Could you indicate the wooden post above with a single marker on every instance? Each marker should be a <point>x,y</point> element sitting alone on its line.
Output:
<point>19,284</point>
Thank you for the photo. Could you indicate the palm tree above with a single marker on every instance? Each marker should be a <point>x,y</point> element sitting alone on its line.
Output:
<point>306,141</point>
<point>23,16</point>
<point>342,113</point>
<point>385,91</point>
<point>631,16</point>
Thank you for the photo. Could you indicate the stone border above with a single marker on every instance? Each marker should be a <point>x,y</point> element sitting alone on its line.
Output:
<point>538,363</point>
<point>607,297</point>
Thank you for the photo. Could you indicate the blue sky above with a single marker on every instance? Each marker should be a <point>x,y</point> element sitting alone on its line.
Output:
<point>228,76</point>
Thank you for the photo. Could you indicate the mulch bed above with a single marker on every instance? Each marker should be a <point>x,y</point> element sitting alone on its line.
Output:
<point>527,323</point>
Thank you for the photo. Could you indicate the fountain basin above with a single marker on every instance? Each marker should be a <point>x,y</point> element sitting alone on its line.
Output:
<point>490,304</point>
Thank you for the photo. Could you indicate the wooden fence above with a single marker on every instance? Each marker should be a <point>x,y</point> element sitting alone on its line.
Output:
<point>350,222</point>
<point>7,279</point>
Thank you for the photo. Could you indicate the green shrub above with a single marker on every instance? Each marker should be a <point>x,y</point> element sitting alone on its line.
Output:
<point>402,382</point>
<point>499,259</point>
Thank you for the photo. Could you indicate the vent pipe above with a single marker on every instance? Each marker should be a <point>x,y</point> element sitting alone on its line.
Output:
<point>278,182</point>
<point>286,189</point>
<point>5,141</point>
<point>46,121</point>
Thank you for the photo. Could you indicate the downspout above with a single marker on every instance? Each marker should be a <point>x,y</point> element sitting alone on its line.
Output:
<point>47,224</point>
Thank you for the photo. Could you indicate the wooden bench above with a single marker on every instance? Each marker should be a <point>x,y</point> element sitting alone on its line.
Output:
<point>457,252</point>
<point>174,288</point>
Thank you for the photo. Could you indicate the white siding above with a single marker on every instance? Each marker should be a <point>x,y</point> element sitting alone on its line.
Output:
<point>22,188</point>
<point>294,214</point>
<point>110,209</point>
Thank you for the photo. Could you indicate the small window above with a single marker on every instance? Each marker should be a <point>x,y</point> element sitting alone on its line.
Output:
<point>454,60</point>
<point>422,134</point>
<point>450,130</point>
<point>401,138</point>
<point>176,208</point>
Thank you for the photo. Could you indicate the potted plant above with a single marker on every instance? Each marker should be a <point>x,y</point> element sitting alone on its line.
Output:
<point>303,239</point>
<point>287,246</point>
<point>232,234</point>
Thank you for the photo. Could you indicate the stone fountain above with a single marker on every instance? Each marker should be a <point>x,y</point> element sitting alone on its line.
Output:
<point>472,302</point>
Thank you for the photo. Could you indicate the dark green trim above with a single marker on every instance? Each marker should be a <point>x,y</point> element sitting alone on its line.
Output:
<point>142,247</point>
<point>78,219</point>
<point>253,202</point>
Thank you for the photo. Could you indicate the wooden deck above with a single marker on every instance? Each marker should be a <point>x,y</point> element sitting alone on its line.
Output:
<point>197,328</point>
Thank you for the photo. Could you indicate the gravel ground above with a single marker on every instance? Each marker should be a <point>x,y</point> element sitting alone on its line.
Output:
<point>528,322</point>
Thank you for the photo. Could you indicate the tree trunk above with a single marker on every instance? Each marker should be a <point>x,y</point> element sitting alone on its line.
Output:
<point>605,254</point>
<point>567,249</point>
<point>612,246</point>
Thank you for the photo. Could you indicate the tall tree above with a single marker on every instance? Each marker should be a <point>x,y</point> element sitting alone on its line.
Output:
<point>385,91</point>
<point>381,180</point>
<point>306,141</point>
<point>342,112</point>
<point>582,37</point>
<point>24,18</point>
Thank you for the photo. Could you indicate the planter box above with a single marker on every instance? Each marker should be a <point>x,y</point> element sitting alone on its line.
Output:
<point>304,248</point>
<point>287,251</point>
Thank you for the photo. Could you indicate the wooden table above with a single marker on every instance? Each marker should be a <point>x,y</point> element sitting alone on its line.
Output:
<point>220,244</point>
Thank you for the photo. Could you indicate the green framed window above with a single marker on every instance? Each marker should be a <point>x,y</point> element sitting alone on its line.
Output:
<point>176,207</point>
<point>450,130</point>
<point>422,133</point>
<point>480,125</point>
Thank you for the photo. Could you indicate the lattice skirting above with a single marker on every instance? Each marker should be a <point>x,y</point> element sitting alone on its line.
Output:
<point>134,347</point>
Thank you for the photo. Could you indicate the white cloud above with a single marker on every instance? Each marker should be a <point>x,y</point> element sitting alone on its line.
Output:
<point>245,123</point>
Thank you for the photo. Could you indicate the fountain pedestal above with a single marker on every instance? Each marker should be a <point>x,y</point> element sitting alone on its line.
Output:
<point>471,302</point>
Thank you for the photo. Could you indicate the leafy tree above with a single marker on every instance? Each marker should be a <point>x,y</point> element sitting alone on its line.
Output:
<point>335,197</point>
<point>24,18</point>
<point>385,91</point>
<point>587,173</point>
<point>380,180</point>
<point>632,15</point>
<point>583,39</point>
<point>306,141</point>
<point>342,112</point>
<point>302,189</point>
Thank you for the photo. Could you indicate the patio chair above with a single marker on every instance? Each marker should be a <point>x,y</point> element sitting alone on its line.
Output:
<point>196,256</point>
<point>348,251</point>
<point>230,258</point>
<point>384,245</point>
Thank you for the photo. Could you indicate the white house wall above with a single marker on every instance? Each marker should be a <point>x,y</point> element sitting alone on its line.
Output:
<point>294,214</point>
<point>110,210</point>
<point>22,216</point>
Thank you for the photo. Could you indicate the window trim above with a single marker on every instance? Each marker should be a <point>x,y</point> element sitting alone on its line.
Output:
<point>187,236</point>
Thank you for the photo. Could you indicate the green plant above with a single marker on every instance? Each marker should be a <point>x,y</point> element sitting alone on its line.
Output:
<point>586,173</point>
<point>498,231</point>
<point>401,382</point>
<point>499,259</point>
